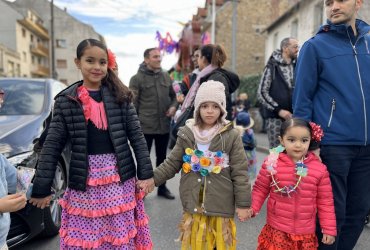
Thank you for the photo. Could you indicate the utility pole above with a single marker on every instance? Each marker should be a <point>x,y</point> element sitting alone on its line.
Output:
<point>213,28</point>
<point>234,29</point>
<point>53,72</point>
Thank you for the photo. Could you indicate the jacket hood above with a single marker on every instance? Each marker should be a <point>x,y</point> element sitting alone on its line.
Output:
<point>70,90</point>
<point>143,68</point>
<point>228,126</point>
<point>362,27</point>
<point>277,58</point>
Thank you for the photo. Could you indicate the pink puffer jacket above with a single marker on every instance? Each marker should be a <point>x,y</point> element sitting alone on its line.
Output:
<point>296,214</point>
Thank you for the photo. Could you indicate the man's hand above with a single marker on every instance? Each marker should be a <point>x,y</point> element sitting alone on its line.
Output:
<point>41,202</point>
<point>146,185</point>
<point>171,112</point>
<point>285,114</point>
<point>12,202</point>
<point>328,239</point>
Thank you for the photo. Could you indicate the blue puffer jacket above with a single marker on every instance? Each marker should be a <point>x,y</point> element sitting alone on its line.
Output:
<point>333,83</point>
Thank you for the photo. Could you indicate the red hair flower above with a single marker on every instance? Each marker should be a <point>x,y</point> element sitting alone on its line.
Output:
<point>317,132</point>
<point>111,60</point>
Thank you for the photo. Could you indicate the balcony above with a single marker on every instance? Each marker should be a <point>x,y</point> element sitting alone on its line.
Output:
<point>40,71</point>
<point>36,28</point>
<point>39,49</point>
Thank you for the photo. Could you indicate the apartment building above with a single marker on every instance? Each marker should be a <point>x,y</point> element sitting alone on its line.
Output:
<point>68,33</point>
<point>10,63</point>
<point>23,32</point>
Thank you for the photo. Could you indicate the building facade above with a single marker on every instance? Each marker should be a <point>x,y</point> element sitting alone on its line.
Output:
<point>23,32</point>
<point>302,21</point>
<point>68,33</point>
<point>253,16</point>
<point>10,63</point>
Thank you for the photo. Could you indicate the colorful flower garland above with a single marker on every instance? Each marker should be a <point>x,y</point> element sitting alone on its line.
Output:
<point>204,162</point>
<point>271,162</point>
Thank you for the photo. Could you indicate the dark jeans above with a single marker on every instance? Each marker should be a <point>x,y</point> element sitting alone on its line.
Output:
<point>349,168</point>
<point>161,141</point>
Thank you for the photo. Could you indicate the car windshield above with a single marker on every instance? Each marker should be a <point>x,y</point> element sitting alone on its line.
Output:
<point>22,97</point>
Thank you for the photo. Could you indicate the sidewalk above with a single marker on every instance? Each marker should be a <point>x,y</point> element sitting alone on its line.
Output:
<point>262,143</point>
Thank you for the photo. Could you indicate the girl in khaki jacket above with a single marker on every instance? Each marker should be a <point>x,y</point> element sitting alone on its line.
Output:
<point>214,181</point>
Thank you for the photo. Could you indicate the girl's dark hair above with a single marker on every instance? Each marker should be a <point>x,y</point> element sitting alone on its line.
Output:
<point>120,91</point>
<point>215,54</point>
<point>298,122</point>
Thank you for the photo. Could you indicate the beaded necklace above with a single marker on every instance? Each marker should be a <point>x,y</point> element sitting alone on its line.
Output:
<point>271,161</point>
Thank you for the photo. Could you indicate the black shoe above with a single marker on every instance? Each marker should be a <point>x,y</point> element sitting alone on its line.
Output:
<point>164,192</point>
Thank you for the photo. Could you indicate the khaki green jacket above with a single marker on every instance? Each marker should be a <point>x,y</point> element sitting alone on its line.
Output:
<point>154,95</point>
<point>223,191</point>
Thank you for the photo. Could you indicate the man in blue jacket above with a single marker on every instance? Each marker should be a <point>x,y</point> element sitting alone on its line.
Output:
<point>333,89</point>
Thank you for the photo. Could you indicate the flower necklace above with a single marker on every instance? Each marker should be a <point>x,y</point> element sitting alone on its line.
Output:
<point>271,161</point>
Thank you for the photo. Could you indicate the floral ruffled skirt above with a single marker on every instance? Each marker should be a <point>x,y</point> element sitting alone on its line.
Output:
<point>201,232</point>
<point>108,215</point>
<point>273,239</point>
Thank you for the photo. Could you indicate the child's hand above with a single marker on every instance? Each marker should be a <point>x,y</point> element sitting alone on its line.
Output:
<point>244,214</point>
<point>328,239</point>
<point>12,202</point>
<point>146,185</point>
<point>41,202</point>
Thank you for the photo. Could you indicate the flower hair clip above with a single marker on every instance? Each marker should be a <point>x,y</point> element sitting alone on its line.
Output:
<point>317,132</point>
<point>111,59</point>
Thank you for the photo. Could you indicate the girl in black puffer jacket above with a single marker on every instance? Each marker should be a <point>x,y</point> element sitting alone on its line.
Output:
<point>97,116</point>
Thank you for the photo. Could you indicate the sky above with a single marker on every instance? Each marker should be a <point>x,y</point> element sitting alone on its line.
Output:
<point>129,26</point>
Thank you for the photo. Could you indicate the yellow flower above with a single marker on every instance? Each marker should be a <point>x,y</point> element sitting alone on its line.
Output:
<point>204,162</point>
<point>216,169</point>
<point>186,167</point>
<point>188,151</point>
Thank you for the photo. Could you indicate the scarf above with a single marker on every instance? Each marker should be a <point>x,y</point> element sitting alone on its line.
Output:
<point>189,99</point>
<point>205,136</point>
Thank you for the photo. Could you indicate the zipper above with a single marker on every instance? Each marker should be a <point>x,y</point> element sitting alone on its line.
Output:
<point>331,112</point>
<point>86,134</point>
<point>361,84</point>
<point>204,195</point>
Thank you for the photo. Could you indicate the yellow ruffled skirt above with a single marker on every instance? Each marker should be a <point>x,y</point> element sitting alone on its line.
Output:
<point>201,232</point>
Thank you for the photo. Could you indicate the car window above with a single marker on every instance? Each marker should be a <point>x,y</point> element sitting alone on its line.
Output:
<point>22,98</point>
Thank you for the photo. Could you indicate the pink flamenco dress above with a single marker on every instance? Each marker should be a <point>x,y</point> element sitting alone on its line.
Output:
<point>109,214</point>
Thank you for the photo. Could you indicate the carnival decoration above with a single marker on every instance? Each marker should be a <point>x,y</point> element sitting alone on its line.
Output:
<point>271,161</point>
<point>166,44</point>
<point>206,38</point>
<point>204,162</point>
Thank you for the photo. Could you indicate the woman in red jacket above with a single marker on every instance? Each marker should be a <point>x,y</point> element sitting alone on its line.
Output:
<point>298,187</point>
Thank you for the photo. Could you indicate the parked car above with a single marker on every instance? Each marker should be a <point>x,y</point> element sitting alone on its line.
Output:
<point>24,118</point>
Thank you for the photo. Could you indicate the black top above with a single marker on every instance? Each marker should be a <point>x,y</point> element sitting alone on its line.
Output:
<point>99,140</point>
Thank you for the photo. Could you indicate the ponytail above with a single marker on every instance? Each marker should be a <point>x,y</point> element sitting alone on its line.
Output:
<point>218,56</point>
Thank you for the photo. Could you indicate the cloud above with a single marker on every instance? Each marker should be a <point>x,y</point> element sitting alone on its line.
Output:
<point>129,26</point>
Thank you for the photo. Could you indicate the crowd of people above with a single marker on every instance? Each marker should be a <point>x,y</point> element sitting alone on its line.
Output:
<point>315,178</point>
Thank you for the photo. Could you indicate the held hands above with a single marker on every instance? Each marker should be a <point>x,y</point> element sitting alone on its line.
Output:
<point>244,214</point>
<point>328,239</point>
<point>41,202</point>
<point>12,202</point>
<point>146,185</point>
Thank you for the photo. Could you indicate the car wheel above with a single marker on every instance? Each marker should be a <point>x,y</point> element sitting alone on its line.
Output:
<point>53,213</point>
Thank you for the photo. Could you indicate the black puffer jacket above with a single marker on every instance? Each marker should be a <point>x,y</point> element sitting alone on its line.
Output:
<point>68,124</point>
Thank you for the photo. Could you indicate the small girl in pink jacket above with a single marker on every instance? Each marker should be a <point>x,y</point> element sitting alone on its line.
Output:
<point>298,187</point>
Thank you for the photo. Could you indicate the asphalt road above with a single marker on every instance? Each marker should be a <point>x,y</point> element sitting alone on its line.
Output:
<point>164,219</point>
